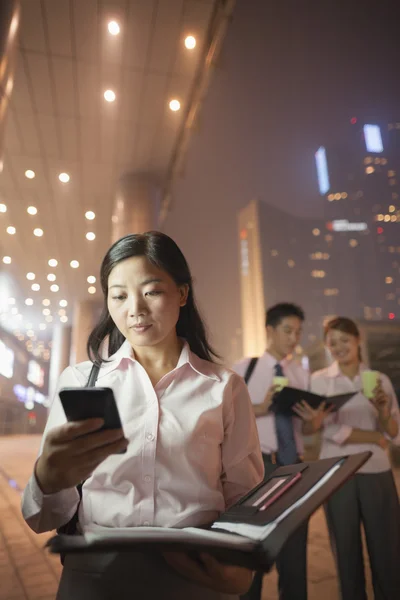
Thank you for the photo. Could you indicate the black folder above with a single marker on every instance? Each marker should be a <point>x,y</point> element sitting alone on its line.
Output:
<point>284,400</point>
<point>316,482</point>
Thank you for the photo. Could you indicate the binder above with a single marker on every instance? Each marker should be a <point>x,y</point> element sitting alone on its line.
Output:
<point>285,399</point>
<point>243,535</point>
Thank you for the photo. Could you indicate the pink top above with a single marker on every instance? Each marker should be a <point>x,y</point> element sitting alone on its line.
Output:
<point>193,448</point>
<point>259,384</point>
<point>357,413</point>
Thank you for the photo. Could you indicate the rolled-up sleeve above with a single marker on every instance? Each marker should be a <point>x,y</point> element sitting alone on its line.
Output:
<point>44,512</point>
<point>394,407</point>
<point>242,464</point>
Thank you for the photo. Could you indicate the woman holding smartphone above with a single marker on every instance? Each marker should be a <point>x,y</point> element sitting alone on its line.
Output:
<point>370,497</point>
<point>190,437</point>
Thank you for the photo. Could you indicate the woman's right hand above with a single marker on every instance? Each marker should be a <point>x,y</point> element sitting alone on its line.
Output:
<point>72,452</point>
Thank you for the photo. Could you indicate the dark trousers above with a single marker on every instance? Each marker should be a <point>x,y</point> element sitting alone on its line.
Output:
<point>371,500</point>
<point>291,563</point>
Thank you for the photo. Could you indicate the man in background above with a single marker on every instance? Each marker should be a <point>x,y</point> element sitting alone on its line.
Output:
<point>281,436</point>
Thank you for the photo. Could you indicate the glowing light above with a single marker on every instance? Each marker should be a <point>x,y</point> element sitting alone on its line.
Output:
<point>3,208</point>
<point>174,105</point>
<point>51,277</point>
<point>38,232</point>
<point>7,260</point>
<point>109,95</point>
<point>63,303</point>
<point>30,276</point>
<point>90,236</point>
<point>92,290</point>
<point>30,174</point>
<point>64,177</point>
<point>31,210</point>
<point>29,301</point>
<point>54,287</point>
<point>113,28</point>
<point>11,230</point>
<point>35,287</point>
<point>373,138</point>
<point>190,42</point>
<point>46,302</point>
<point>91,279</point>
<point>322,170</point>
<point>90,215</point>
<point>74,264</point>
<point>52,262</point>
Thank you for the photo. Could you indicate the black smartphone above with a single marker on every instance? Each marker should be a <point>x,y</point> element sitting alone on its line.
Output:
<point>90,403</point>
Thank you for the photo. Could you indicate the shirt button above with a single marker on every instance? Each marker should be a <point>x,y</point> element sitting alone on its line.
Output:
<point>150,437</point>
<point>147,479</point>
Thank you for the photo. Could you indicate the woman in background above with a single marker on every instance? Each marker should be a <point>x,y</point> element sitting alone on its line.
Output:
<point>370,497</point>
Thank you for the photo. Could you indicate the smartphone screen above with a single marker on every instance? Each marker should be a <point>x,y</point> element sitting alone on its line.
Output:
<point>90,403</point>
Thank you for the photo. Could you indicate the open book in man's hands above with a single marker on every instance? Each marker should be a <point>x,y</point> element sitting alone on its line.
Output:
<point>251,533</point>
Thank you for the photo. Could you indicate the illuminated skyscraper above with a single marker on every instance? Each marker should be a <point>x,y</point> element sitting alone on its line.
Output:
<point>362,213</point>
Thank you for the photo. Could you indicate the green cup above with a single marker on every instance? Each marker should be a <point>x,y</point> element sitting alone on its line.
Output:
<point>280,382</point>
<point>369,382</point>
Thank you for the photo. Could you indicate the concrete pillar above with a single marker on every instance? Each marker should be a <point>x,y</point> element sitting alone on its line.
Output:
<point>137,206</point>
<point>86,315</point>
<point>60,350</point>
<point>9,24</point>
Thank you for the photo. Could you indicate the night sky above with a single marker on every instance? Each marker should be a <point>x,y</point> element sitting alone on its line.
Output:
<point>290,77</point>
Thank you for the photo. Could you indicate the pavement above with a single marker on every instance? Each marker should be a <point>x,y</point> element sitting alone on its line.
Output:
<point>29,572</point>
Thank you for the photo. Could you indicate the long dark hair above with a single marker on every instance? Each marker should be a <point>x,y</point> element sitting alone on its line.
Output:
<point>164,253</point>
<point>345,325</point>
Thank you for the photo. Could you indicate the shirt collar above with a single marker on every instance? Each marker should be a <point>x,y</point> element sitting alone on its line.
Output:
<point>334,371</point>
<point>202,367</point>
<point>272,361</point>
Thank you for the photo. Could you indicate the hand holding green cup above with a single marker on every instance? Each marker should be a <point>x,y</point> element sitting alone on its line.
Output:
<point>280,383</point>
<point>370,380</point>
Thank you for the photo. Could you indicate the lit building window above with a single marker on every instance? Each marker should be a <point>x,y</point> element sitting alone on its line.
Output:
<point>369,170</point>
<point>318,274</point>
<point>373,138</point>
<point>386,218</point>
<point>344,195</point>
<point>388,280</point>
<point>392,208</point>
<point>391,174</point>
<point>338,196</point>
<point>368,160</point>
<point>331,292</point>
<point>377,161</point>
<point>274,252</point>
<point>353,243</point>
<point>331,197</point>
<point>393,218</point>
<point>379,217</point>
<point>291,263</point>
<point>316,232</point>
<point>383,161</point>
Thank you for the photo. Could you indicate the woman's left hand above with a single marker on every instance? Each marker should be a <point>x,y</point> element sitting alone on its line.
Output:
<point>209,572</point>
<point>381,401</point>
